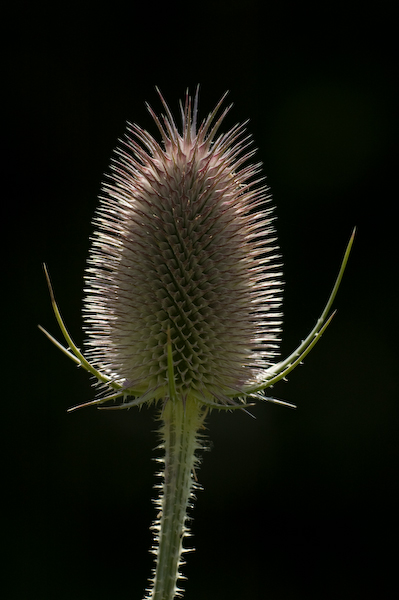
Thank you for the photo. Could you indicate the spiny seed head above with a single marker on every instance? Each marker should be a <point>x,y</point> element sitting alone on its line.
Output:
<point>184,256</point>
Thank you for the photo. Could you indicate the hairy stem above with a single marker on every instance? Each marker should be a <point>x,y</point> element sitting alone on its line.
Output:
<point>179,431</point>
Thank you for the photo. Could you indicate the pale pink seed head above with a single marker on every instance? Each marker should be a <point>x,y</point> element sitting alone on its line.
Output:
<point>185,243</point>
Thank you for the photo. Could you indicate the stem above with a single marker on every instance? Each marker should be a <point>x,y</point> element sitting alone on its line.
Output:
<point>181,422</point>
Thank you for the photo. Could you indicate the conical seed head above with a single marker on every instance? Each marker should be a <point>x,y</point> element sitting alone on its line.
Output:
<point>184,250</point>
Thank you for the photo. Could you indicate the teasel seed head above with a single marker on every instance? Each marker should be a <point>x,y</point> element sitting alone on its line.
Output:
<point>184,256</point>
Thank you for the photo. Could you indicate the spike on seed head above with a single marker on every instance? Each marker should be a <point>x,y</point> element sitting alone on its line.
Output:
<point>184,243</point>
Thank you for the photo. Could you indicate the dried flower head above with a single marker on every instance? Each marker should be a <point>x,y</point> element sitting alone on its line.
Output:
<point>184,243</point>
<point>183,284</point>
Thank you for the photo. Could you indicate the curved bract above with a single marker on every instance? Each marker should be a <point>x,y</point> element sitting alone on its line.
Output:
<point>270,376</point>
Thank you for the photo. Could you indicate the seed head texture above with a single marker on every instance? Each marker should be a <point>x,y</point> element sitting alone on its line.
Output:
<point>184,250</point>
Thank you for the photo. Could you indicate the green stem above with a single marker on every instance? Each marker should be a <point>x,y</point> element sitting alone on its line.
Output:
<point>179,431</point>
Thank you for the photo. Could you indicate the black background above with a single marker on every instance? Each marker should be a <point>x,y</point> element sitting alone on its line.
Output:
<point>297,504</point>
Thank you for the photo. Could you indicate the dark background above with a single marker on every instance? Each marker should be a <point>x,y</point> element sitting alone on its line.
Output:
<point>297,504</point>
